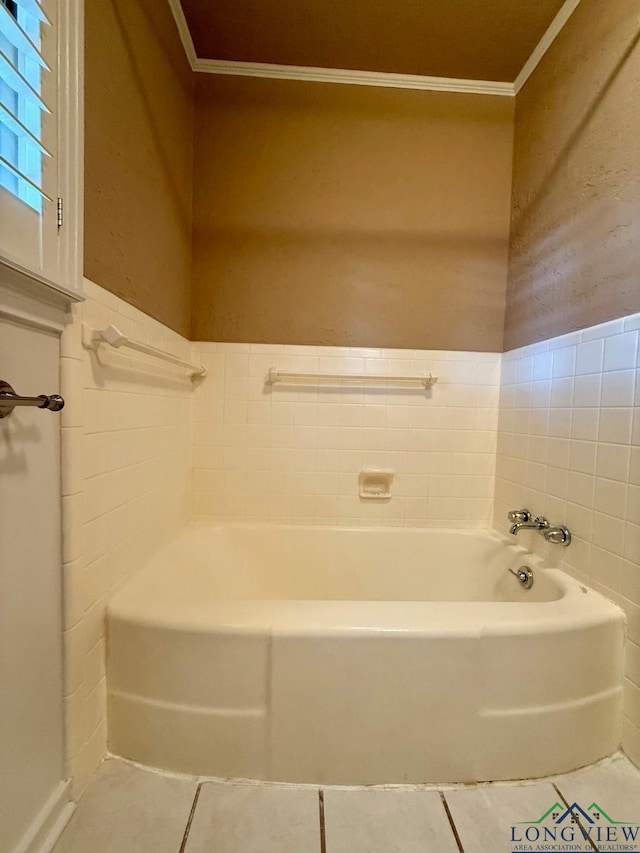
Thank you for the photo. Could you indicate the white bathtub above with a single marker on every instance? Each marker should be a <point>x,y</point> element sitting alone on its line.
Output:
<point>335,656</point>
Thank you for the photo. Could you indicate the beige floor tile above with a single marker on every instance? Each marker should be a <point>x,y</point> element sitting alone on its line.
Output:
<point>614,785</point>
<point>255,819</point>
<point>485,816</point>
<point>387,822</point>
<point>128,810</point>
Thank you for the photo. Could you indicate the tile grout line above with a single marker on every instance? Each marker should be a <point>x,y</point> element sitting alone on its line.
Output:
<point>323,835</point>
<point>582,829</point>
<point>451,821</point>
<point>190,820</point>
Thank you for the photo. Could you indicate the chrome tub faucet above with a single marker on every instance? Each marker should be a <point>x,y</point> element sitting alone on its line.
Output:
<point>521,519</point>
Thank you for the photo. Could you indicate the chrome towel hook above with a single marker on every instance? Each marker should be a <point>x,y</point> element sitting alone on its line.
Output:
<point>9,400</point>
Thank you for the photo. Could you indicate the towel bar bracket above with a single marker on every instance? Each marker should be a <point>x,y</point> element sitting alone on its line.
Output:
<point>92,338</point>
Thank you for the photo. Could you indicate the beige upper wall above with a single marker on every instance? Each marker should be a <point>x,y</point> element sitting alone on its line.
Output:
<point>138,157</point>
<point>575,243</point>
<point>345,215</point>
<point>366,214</point>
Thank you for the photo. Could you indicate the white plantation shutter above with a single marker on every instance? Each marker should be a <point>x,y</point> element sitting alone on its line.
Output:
<point>22,68</point>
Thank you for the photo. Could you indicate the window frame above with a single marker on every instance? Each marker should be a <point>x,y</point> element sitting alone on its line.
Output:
<point>59,268</point>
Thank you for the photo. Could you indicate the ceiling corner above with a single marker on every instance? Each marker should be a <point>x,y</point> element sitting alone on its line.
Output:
<point>184,32</point>
<point>545,43</point>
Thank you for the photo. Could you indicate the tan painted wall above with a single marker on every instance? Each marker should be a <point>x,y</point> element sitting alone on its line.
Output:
<point>575,245</point>
<point>345,215</point>
<point>138,157</point>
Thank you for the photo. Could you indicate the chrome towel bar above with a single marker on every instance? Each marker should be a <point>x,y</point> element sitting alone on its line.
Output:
<point>276,375</point>
<point>9,400</point>
<point>92,338</point>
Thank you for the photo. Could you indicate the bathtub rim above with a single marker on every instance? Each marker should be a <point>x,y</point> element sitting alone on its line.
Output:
<point>578,605</point>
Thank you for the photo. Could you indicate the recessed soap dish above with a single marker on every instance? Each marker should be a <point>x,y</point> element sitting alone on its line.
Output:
<point>375,484</point>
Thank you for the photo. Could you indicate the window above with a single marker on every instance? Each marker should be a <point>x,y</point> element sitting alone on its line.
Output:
<point>22,68</point>
<point>41,90</point>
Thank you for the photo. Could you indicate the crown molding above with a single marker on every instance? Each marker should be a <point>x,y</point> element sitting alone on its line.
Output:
<point>371,78</point>
<point>184,31</point>
<point>545,43</point>
<point>352,78</point>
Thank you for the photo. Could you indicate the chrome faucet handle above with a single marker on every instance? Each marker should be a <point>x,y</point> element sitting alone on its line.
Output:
<point>524,575</point>
<point>541,523</point>
<point>519,515</point>
<point>559,535</point>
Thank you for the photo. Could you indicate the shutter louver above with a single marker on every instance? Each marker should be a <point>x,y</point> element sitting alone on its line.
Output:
<point>21,102</point>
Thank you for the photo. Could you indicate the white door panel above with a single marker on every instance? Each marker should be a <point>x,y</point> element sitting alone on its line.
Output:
<point>31,726</point>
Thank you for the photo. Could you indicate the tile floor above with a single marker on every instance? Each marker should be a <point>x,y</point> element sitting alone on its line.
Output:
<point>130,810</point>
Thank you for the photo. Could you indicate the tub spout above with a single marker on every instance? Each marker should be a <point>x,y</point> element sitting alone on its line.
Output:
<point>539,523</point>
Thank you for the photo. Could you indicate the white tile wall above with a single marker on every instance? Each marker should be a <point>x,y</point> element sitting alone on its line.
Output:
<point>292,454</point>
<point>569,449</point>
<point>125,480</point>
<point>567,444</point>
